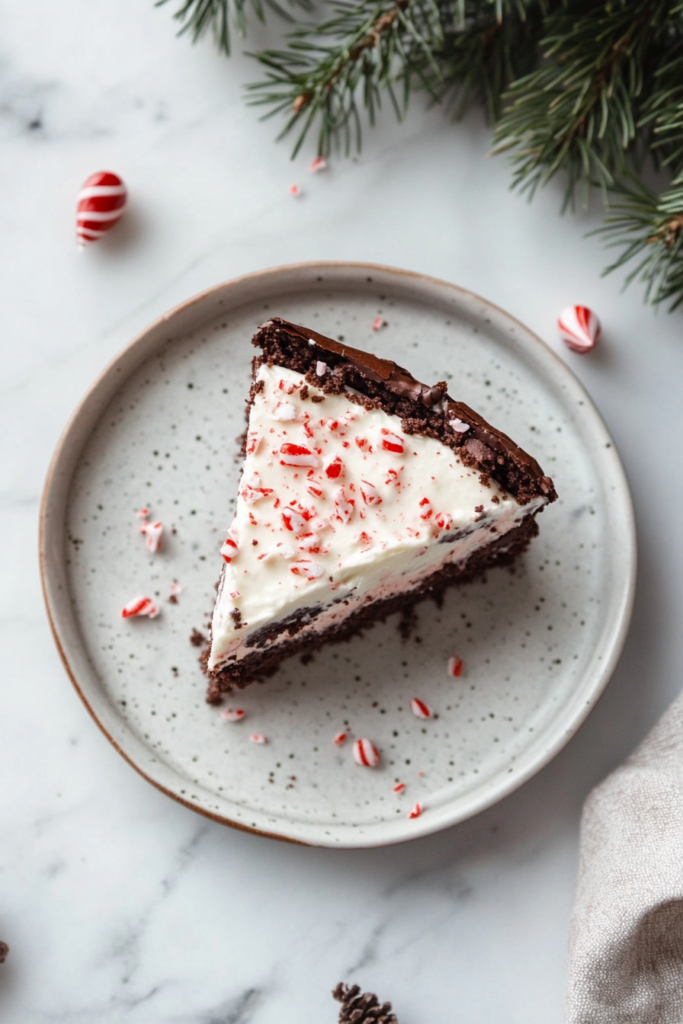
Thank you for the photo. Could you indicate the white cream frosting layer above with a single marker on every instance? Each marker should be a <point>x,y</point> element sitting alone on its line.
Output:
<point>336,507</point>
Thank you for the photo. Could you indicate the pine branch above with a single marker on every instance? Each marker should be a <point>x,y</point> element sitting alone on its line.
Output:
<point>648,228</point>
<point>579,110</point>
<point>200,16</point>
<point>366,48</point>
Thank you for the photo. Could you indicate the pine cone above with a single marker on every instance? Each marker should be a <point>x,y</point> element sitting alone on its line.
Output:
<point>4,950</point>
<point>361,1007</point>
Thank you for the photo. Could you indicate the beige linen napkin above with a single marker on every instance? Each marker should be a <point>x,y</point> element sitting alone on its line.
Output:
<point>626,939</point>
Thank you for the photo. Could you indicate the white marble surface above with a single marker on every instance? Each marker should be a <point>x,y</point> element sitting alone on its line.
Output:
<point>118,904</point>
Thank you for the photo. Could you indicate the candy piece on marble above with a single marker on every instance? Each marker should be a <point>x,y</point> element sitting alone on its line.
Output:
<point>257,737</point>
<point>339,739</point>
<point>399,787</point>
<point>232,714</point>
<point>295,191</point>
<point>415,811</point>
<point>454,666</point>
<point>153,533</point>
<point>140,606</point>
<point>365,753</point>
<point>420,709</point>
<point>319,164</point>
<point>101,202</point>
<point>142,513</point>
<point>378,323</point>
<point>579,328</point>
<point>176,589</point>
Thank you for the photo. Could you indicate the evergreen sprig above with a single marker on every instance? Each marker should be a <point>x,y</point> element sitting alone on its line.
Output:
<point>588,89</point>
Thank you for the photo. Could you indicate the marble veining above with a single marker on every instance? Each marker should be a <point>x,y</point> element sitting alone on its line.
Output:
<point>120,905</point>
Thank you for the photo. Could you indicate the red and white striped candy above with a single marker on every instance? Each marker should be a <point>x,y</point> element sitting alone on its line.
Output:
<point>392,442</point>
<point>339,739</point>
<point>256,737</point>
<point>454,667</point>
<point>343,506</point>
<point>378,323</point>
<point>579,328</point>
<point>140,606</point>
<point>319,164</point>
<point>294,521</point>
<point>229,550</point>
<point>175,589</point>
<point>366,754</point>
<point>306,568</point>
<point>333,466</point>
<point>416,811</point>
<point>443,520</point>
<point>420,709</point>
<point>101,203</point>
<point>371,495</point>
<point>232,714</point>
<point>152,532</point>
<point>297,455</point>
<point>399,787</point>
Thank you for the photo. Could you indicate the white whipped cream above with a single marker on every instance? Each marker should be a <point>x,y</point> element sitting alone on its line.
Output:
<point>337,506</point>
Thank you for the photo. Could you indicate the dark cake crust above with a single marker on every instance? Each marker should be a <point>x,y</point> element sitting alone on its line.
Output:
<point>422,409</point>
<point>425,410</point>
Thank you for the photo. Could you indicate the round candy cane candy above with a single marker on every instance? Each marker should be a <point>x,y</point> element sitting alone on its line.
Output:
<point>579,328</point>
<point>101,203</point>
<point>366,754</point>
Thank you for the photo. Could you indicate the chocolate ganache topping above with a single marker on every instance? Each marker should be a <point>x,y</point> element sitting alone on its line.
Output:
<point>480,439</point>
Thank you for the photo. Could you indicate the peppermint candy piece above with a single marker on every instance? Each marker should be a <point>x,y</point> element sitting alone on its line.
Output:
<point>371,495</point>
<point>458,425</point>
<point>294,521</point>
<point>365,753</point>
<point>319,164</point>
<point>140,606</point>
<point>391,442</point>
<point>152,532</point>
<point>399,787</point>
<point>579,328</point>
<point>343,506</point>
<point>420,709</point>
<point>416,811</point>
<point>297,455</point>
<point>306,568</point>
<point>339,739</point>
<point>229,550</point>
<point>333,466</point>
<point>232,714</point>
<point>256,737</point>
<point>378,323</point>
<point>101,203</point>
<point>454,666</point>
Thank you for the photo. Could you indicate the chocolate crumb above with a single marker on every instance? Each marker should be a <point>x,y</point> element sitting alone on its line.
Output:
<point>317,398</point>
<point>236,616</point>
<point>197,639</point>
<point>173,599</point>
<point>478,508</point>
<point>303,392</point>
<point>495,499</point>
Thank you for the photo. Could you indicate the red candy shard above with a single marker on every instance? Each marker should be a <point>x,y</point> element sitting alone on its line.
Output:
<point>443,520</point>
<point>101,202</point>
<point>399,787</point>
<point>343,506</point>
<point>420,709</point>
<point>294,521</point>
<point>425,509</point>
<point>454,667</point>
<point>333,466</point>
<point>256,737</point>
<point>378,323</point>
<point>152,532</point>
<point>339,739</point>
<point>294,190</point>
<point>319,164</point>
<point>306,568</point>
<point>392,442</point>
<point>140,606</point>
<point>416,811</point>
<point>579,328</point>
<point>366,754</point>
<point>229,549</point>
<point>232,714</point>
<point>297,455</point>
<point>370,493</point>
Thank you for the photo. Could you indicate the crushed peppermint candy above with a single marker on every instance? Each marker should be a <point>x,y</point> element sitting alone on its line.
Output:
<point>399,787</point>
<point>319,164</point>
<point>420,709</point>
<point>371,495</point>
<point>140,606</point>
<point>285,411</point>
<point>295,191</point>
<point>232,714</point>
<point>306,568</point>
<point>443,520</point>
<point>378,323</point>
<point>152,533</point>
<point>365,753</point>
<point>458,426</point>
<point>229,550</point>
<point>339,739</point>
<point>579,328</point>
<point>142,513</point>
<point>294,521</point>
<point>415,811</point>
<point>256,737</point>
<point>297,455</point>
<point>392,442</point>
<point>320,368</point>
<point>333,466</point>
<point>454,667</point>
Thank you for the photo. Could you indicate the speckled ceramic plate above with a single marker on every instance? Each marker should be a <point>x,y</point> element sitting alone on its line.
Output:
<point>538,646</point>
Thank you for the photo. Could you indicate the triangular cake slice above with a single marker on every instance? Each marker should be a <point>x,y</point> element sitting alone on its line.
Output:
<point>362,491</point>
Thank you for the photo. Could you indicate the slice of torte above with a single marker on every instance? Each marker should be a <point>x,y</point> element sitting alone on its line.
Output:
<point>362,491</point>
